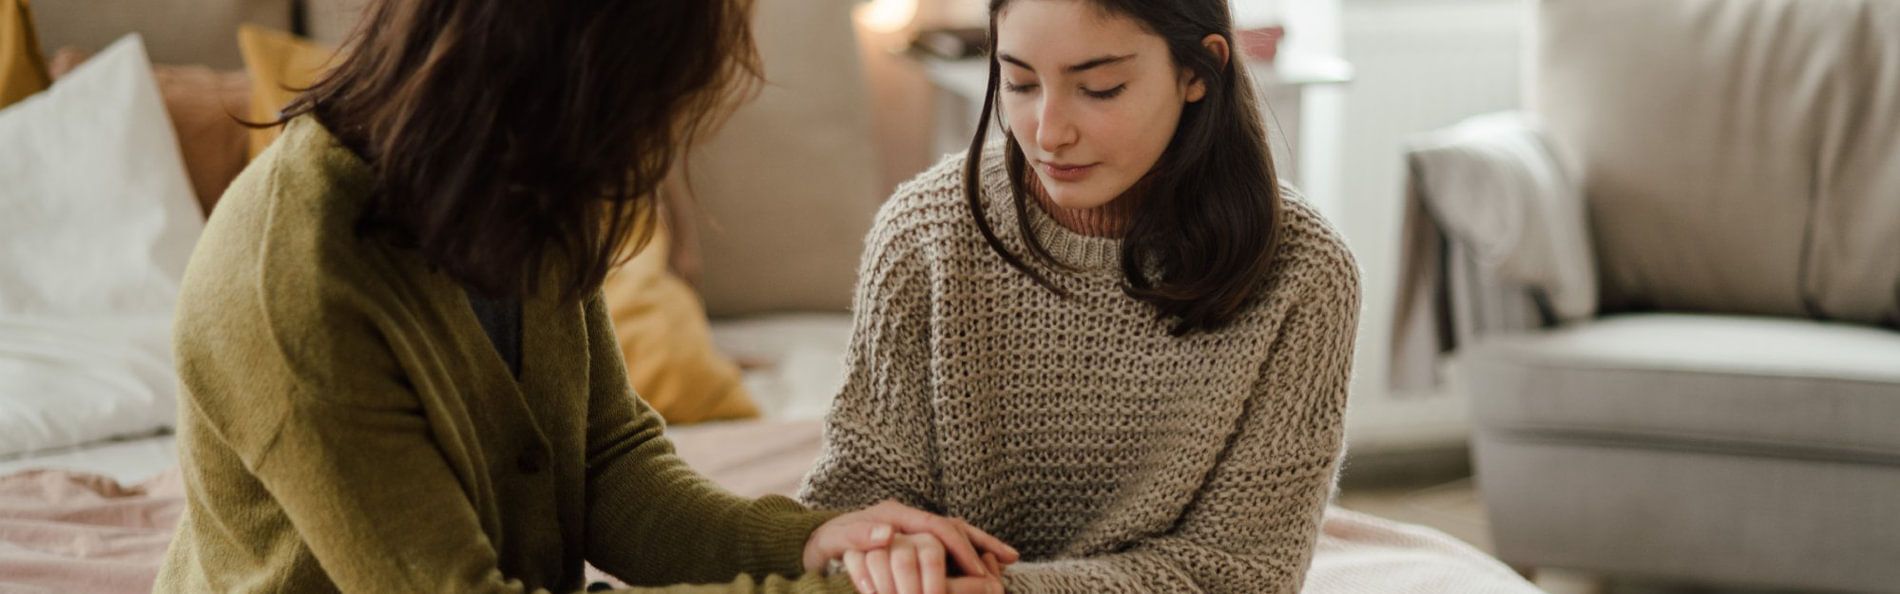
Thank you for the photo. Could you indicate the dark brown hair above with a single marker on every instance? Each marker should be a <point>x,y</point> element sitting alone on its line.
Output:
<point>511,138</point>
<point>1209,225</point>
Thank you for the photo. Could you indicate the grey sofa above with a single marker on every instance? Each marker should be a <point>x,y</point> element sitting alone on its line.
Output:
<point>1671,290</point>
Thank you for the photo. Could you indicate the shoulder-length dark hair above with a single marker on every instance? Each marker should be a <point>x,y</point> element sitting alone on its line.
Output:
<point>512,139</point>
<point>1212,227</point>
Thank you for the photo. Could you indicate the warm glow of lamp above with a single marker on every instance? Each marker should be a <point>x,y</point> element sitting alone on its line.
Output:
<point>887,16</point>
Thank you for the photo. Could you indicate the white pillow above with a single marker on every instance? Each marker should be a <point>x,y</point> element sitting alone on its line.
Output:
<point>99,220</point>
<point>1493,185</point>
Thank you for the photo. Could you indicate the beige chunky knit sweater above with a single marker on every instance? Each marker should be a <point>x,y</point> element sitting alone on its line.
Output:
<point>1116,457</point>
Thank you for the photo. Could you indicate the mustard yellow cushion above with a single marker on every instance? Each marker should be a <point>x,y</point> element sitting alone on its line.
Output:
<point>22,67</point>
<point>281,65</point>
<point>663,334</point>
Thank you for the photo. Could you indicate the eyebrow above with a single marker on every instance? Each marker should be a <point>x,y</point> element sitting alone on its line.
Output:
<point>1072,69</point>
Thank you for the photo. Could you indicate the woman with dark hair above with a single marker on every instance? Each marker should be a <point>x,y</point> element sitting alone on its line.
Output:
<point>397,373</point>
<point>1113,339</point>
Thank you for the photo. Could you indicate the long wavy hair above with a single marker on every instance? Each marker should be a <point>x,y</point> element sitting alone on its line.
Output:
<point>511,139</point>
<point>1210,227</point>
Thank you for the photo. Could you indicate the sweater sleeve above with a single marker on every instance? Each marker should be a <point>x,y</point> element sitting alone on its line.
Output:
<point>877,442</point>
<point>348,454</point>
<point>652,519</point>
<point>1253,526</point>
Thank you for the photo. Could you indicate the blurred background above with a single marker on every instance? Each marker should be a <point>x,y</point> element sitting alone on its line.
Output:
<point>1631,268</point>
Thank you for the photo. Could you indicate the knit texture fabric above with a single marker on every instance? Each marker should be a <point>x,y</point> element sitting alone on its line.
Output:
<point>1115,457</point>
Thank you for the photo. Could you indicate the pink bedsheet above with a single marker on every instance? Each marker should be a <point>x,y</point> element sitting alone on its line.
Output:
<point>69,532</point>
<point>63,531</point>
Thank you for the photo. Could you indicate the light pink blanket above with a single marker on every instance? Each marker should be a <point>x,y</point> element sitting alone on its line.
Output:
<point>63,531</point>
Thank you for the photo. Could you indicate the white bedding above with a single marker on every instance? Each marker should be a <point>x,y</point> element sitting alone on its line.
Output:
<point>129,461</point>
<point>77,381</point>
<point>794,364</point>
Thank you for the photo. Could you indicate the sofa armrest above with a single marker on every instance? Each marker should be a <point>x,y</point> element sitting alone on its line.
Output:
<point>1495,241</point>
<point>1493,187</point>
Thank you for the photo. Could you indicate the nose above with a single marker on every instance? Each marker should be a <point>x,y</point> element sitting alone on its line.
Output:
<point>1054,128</point>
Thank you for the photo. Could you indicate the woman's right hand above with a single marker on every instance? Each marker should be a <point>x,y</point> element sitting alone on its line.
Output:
<point>914,564</point>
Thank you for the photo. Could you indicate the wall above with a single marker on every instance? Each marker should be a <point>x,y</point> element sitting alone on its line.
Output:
<point>1419,65</point>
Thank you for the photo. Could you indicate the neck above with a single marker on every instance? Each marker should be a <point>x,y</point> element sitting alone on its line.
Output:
<point>1108,220</point>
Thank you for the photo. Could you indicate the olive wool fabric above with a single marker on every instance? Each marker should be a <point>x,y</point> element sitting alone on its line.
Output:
<point>1116,457</point>
<point>345,424</point>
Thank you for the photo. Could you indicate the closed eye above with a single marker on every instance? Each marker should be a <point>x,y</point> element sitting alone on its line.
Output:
<point>1106,94</point>
<point>1016,88</point>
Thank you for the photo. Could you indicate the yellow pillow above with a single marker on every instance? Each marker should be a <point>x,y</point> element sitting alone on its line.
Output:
<point>281,66</point>
<point>22,67</point>
<point>663,335</point>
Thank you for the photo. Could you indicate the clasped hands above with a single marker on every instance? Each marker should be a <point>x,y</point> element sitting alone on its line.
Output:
<point>890,548</point>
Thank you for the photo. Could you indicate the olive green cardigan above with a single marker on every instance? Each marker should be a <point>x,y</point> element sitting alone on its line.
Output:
<point>345,424</point>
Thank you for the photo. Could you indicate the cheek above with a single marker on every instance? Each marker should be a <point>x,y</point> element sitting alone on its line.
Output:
<point>1138,130</point>
<point>1165,116</point>
<point>1019,115</point>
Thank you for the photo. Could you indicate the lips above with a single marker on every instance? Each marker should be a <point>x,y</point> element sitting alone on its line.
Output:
<point>1064,172</point>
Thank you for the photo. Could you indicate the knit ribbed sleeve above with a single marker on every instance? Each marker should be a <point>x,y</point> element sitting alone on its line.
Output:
<point>878,435</point>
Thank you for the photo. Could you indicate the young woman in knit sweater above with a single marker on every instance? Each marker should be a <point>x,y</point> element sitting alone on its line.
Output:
<point>1113,340</point>
<point>398,374</point>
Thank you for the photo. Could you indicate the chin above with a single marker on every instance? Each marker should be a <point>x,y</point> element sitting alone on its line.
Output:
<point>1072,197</point>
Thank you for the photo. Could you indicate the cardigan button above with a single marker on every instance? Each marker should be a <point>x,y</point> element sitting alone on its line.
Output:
<point>529,462</point>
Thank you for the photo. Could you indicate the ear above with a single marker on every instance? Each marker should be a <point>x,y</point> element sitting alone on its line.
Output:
<point>1216,45</point>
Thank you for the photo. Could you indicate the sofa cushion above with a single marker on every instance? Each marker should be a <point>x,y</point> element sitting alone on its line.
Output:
<point>1735,384</point>
<point>329,21</point>
<point>281,65</point>
<point>787,189</point>
<point>175,31</point>
<point>1736,154</point>
<point>22,67</point>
